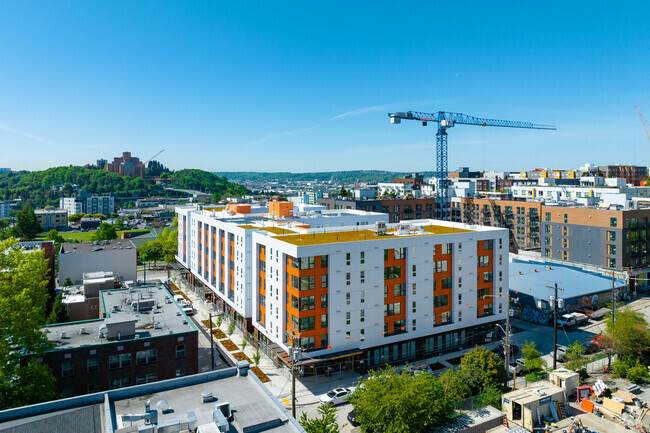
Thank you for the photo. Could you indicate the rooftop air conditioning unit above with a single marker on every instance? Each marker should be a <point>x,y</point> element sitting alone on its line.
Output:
<point>380,227</point>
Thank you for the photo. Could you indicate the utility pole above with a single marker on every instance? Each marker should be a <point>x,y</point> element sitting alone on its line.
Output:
<point>613,300</point>
<point>507,346</point>
<point>211,342</point>
<point>295,339</point>
<point>556,301</point>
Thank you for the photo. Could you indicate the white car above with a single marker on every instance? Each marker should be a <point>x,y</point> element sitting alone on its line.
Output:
<point>335,396</point>
<point>561,352</point>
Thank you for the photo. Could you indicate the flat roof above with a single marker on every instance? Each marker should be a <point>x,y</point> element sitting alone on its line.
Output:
<point>470,420</point>
<point>249,403</point>
<point>536,391</point>
<point>164,319</point>
<point>331,237</point>
<point>531,278</point>
<point>86,247</point>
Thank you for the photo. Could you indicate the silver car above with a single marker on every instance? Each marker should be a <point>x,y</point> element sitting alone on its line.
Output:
<point>336,396</point>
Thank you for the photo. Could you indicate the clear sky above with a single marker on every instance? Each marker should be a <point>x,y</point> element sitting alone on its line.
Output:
<point>305,85</point>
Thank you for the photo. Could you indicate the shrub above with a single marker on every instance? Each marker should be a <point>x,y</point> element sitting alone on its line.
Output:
<point>231,329</point>
<point>244,343</point>
<point>638,373</point>
<point>219,321</point>
<point>256,357</point>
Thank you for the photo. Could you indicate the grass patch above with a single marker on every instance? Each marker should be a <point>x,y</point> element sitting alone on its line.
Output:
<point>534,376</point>
<point>241,356</point>
<point>260,374</point>
<point>219,334</point>
<point>229,345</point>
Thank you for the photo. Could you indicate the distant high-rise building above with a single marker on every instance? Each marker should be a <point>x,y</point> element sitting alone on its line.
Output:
<point>101,163</point>
<point>86,203</point>
<point>126,165</point>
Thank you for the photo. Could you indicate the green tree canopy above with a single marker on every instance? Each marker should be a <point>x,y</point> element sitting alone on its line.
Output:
<point>482,369</point>
<point>106,232</point>
<point>54,235</point>
<point>630,336</point>
<point>324,423</point>
<point>27,225</point>
<point>4,225</point>
<point>59,313</point>
<point>533,357</point>
<point>151,252</point>
<point>76,217</point>
<point>23,297</point>
<point>400,402</point>
<point>455,384</point>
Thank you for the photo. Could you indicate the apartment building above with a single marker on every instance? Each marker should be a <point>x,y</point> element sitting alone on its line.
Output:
<point>118,256</point>
<point>126,165</point>
<point>89,204</point>
<point>631,173</point>
<point>4,209</point>
<point>397,209</point>
<point>56,219</point>
<point>358,291</point>
<point>139,335</point>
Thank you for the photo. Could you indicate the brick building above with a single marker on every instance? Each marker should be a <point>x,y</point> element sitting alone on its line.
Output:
<point>126,165</point>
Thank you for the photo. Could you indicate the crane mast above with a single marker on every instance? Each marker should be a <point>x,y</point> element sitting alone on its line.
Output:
<point>446,120</point>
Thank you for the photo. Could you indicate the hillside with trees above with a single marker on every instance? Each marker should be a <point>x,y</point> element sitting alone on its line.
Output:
<point>372,176</point>
<point>44,188</point>
<point>206,182</point>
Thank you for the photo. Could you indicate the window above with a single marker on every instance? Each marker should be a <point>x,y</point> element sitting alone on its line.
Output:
<point>363,296</point>
<point>483,261</point>
<point>307,323</point>
<point>482,293</point>
<point>347,279</point>
<point>565,230</point>
<point>611,236</point>
<point>488,244</point>
<point>93,365</point>
<point>547,229</point>
<point>147,356</point>
<point>392,309</point>
<point>119,361</point>
<point>414,289</point>
<point>612,222</point>
<point>308,342</point>
<point>347,318</point>
<point>347,298</point>
<point>385,292</point>
<point>566,218</point>
<point>362,335</point>
<point>323,301</point>
<point>307,303</point>
<point>146,378</point>
<point>363,277</point>
<point>180,351</point>
<point>564,243</point>
<point>181,371</point>
<point>440,266</point>
<point>119,382</point>
<point>306,263</point>
<point>347,336</point>
<point>307,283</point>
<point>323,341</point>
<point>440,301</point>
<point>547,241</point>
<point>460,299</point>
<point>446,248</point>
<point>392,272</point>
<point>445,283</point>
<point>612,249</point>
<point>323,281</point>
<point>500,259</point>
<point>565,255</point>
<point>413,326</point>
<point>93,387</point>
<point>547,216</point>
<point>399,290</point>
<point>488,277</point>
<point>460,282</point>
<point>414,307</point>
<point>323,261</point>
<point>460,316</point>
<point>611,263</point>
<point>67,369</point>
<point>363,257</point>
<point>323,321</point>
<point>414,270</point>
<point>347,259</point>
<point>500,275</point>
<point>362,315</point>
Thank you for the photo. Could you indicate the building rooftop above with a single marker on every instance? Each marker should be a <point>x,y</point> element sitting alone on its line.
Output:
<point>97,246</point>
<point>252,406</point>
<point>536,391</point>
<point>52,211</point>
<point>159,315</point>
<point>531,278</point>
<point>469,420</point>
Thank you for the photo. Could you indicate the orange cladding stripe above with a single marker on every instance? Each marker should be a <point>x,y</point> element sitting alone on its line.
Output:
<point>481,303</point>
<point>391,261</point>
<point>438,276</point>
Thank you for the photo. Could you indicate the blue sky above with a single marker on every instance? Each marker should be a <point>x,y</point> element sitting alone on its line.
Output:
<point>305,86</point>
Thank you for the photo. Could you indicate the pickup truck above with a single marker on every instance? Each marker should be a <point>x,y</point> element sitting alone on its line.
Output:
<point>518,367</point>
<point>572,319</point>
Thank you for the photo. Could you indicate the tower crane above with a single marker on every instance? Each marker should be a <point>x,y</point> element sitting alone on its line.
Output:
<point>445,121</point>
<point>645,128</point>
<point>147,161</point>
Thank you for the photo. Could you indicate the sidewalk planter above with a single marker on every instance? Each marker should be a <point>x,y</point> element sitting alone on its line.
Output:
<point>229,345</point>
<point>241,356</point>
<point>218,333</point>
<point>260,375</point>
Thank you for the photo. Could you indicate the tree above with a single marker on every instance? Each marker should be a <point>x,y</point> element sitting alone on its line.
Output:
<point>54,235</point>
<point>231,329</point>
<point>59,313</point>
<point>68,282</point>
<point>4,225</point>
<point>482,368</point>
<point>151,252</point>
<point>491,395</point>
<point>396,403</point>
<point>168,240</point>
<point>27,225</point>
<point>119,223</point>
<point>455,384</point>
<point>576,355</point>
<point>106,232</point>
<point>532,357</point>
<point>630,336</point>
<point>23,298</point>
<point>257,357</point>
<point>76,217</point>
<point>324,423</point>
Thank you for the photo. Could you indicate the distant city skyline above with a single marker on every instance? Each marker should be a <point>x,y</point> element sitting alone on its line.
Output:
<point>306,87</point>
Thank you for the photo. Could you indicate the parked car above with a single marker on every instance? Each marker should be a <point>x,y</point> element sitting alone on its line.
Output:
<point>352,418</point>
<point>518,367</point>
<point>561,353</point>
<point>418,368</point>
<point>336,396</point>
<point>573,319</point>
<point>500,351</point>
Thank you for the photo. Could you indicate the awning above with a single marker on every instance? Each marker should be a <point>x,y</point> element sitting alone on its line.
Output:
<point>329,357</point>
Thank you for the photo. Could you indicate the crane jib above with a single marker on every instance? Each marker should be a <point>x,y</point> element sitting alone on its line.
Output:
<point>463,119</point>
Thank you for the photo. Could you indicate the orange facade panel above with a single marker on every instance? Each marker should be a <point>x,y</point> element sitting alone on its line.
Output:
<point>281,209</point>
